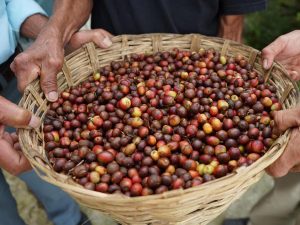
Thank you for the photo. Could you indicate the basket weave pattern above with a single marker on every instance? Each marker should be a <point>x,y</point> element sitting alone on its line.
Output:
<point>197,205</point>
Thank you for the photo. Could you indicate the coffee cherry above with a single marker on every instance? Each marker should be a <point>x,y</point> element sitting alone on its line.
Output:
<point>207,128</point>
<point>125,103</point>
<point>153,181</point>
<point>256,146</point>
<point>102,187</point>
<point>105,157</point>
<point>80,171</point>
<point>136,189</point>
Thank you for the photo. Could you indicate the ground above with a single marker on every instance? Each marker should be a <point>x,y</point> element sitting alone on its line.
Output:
<point>33,213</point>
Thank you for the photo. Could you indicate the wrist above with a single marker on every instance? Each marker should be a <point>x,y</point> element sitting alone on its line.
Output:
<point>63,30</point>
<point>51,32</point>
<point>33,25</point>
<point>231,27</point>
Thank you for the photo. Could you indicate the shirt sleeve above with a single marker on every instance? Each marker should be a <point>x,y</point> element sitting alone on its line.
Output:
<point>237,7</point>
<point>19,10</point>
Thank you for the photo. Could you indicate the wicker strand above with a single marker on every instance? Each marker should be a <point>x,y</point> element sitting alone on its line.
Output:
<point>156,43</point>
<point>286,93</point>
<point>91,50</point>
<point>252,57</point>
<point>195,43</point>
<point>35,95</point>
<point>67,74</point>
<point>225,47</point>
<point>268,73</point>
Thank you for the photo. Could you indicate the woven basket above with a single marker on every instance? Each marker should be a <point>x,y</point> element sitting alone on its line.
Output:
<point>197,205</point>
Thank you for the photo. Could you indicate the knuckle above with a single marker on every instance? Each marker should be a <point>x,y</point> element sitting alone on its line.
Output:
<point>265,51</point>
<point>21,58</point>
<point>49,82</point>
<point>24,117</point>
<point>55,62</point>
<point>101,31</point>
<point>281,39</point>
<point>98,35</point>
<point>13,66</point>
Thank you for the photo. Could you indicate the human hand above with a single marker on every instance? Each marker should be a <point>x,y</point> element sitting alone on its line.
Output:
<point>100,37</point>
<point>11,157</point>
<point>289,161</point>
<point>286,50</point>
<point>43,58</point>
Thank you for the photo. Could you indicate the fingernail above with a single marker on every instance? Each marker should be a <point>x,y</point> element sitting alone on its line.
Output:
<point>295,73</point>
<point>34,122</point>
<point>265,64</point>
<point>107,42</point>
<point>52,96</point>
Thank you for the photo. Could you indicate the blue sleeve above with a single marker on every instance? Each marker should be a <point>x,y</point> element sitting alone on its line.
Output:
<point>238,7</point>
<point>19,10</point>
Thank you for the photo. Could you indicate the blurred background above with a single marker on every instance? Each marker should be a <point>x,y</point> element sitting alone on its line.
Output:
<point>281,16</point>
<point>261,28</point>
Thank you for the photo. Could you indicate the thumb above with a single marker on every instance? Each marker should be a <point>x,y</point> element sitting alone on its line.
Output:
<point>270,52</point>
<point>15,116</point>
<point>100,37</point>
<point>285,119</point>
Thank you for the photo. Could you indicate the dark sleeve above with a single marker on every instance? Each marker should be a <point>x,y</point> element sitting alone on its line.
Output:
<point>236,7</point>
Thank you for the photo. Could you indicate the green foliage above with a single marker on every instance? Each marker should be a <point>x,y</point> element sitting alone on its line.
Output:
<point>281,16</point>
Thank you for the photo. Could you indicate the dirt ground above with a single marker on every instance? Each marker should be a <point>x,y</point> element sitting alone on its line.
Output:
<point>33,213</point>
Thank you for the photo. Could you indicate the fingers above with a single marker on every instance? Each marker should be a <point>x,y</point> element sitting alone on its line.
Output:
<point>48,71</point>
<point>45,58</point>
<point>17,146</point>
<point>48,80</point>
<point>11,160</point>
<point>285,119</point>
<point>8,138</point>
<point>100,37</point>
<point>15,116</point>
<point>48,83</point>
<point>25,80</point>
<point>294,75</point>
<point>289,159</point>
<point>13,140</point>
<point>270,52</point>
<point>101,40</point>
<point>14,137</point>
<point>105,32</point>
<point>25,70</point>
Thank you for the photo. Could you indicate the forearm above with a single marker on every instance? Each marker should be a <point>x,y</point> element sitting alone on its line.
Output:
<point>69,16</point>
<point>33,25</point>
<point>231,27</point>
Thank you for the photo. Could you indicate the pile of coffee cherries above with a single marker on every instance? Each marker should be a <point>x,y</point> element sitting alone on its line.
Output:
<point>157,122</point>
